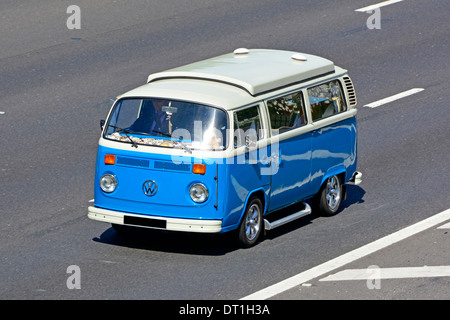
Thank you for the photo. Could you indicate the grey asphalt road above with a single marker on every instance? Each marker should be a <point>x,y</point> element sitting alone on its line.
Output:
<point>55,86</point>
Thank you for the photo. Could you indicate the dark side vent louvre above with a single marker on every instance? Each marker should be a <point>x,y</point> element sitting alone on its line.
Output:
<point>351,91</point>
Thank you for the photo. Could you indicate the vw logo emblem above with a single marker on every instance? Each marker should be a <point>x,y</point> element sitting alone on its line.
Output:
<point>150,188</point>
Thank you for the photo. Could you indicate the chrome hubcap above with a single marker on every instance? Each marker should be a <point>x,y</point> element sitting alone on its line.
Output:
<point>252,224</point>
<point>332,192</point>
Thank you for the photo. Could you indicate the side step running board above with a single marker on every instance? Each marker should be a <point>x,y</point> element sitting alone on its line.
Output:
<point>272,225</point>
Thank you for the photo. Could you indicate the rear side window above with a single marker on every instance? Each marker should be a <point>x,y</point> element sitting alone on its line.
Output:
<point>247,122</point>
<point>326,100</point>
<point>286,113</point>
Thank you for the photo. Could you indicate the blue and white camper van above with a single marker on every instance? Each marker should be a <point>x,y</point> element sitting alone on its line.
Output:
<point>221,144</point>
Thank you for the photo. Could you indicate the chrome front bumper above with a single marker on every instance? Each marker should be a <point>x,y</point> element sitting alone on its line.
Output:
<point>155,222</point>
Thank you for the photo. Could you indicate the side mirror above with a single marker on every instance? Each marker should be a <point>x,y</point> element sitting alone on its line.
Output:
<point>102,123</point>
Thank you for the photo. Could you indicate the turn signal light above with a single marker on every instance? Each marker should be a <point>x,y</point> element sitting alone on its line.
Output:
<point>199,168</point>
<point>110,159</point>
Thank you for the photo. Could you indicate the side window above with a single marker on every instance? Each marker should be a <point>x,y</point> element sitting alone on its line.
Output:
<point>247,122</point>
<point>286,113</point>
<point>326,100</point>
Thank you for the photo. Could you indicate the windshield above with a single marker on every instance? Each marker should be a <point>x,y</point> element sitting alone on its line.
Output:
<point>167,123</point>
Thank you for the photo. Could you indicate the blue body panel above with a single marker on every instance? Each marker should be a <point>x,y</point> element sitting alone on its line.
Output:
<point>334,150</point>
<point>172,199</point>
<point>240,180</point>
<point>291,179</point>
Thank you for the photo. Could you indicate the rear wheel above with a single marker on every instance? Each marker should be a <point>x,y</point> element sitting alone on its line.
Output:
<point>330,196</point>
<point>251,225</point>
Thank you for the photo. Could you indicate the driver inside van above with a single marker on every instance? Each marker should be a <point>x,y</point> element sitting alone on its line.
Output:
<point>151,118</point>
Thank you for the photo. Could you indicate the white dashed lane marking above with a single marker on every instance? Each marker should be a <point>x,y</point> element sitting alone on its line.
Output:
<point>393,98</point>
<point>378,5</point>
<point>390,273</point>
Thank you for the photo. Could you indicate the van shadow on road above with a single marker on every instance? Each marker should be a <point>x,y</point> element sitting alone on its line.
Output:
<point>206,244</point>
<point>167,241</point>
<point>355,195</point>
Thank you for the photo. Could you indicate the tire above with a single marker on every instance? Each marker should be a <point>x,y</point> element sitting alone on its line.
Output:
<point>330,196</point>
<point>251,225</point>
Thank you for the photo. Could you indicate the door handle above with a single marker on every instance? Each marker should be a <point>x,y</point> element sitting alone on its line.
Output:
<point>274,158</point>
<point>266,160</point>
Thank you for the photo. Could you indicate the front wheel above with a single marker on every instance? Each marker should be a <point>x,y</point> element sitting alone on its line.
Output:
<point>330,196</point>
<point>251,225</point>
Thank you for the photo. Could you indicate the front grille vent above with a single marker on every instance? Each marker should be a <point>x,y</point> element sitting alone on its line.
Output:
<point>133,162</point>
<point>172,166</point>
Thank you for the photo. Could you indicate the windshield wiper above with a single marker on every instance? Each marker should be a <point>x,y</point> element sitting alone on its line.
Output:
<point>184,146</point>
<point>126,131</point>
<point>134,144</point>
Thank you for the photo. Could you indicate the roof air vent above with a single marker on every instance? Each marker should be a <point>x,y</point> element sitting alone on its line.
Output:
<point>241,51</point>
<point>299,57</point>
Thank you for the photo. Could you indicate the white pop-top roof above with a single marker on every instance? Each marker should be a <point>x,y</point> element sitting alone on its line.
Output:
<point>256,70</point>
<point>236,79</point>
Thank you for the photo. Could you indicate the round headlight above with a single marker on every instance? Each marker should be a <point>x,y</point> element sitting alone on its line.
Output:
<point>199,193</point>
<point>108,183</point>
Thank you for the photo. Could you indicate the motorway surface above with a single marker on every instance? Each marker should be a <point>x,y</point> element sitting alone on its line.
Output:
<point>55,86</point>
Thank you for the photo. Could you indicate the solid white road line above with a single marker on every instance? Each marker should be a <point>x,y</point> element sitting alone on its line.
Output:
<point>393,98</point>
<point>390,273</point>
<point>349,257</point>
<point>378,5</point>
<point>2,112</point>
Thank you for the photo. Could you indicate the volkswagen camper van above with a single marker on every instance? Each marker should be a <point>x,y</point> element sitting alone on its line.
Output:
<point>242,142</point>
